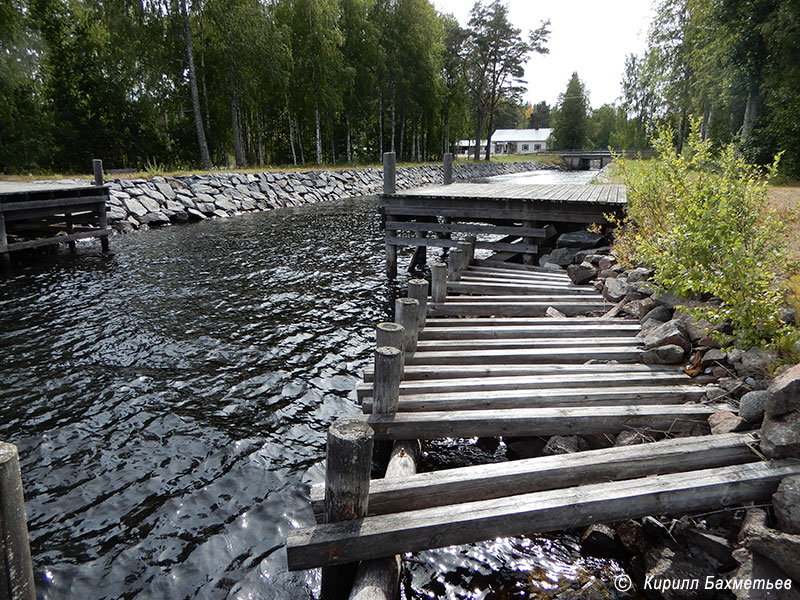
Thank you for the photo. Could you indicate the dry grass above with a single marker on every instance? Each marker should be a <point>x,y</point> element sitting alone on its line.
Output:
<point>786,201</point>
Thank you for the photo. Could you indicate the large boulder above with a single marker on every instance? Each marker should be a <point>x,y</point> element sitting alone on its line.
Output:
<point>639,308</point>
<point>659,313</point>
<point>615,289</point>
<point>562,256</point>
<point>786,504</point>
<point>785,393</point>
<point>670,333</point>
<point>755,363</point>
<point>780,436</point>
<point>564,444</point>
<point>640,274</point>
<point>663,355</point>
<point>582,273</point>
<point>580,239</point>
<point>752,406</point>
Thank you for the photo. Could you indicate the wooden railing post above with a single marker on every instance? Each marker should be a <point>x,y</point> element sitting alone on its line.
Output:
<point>454,262</point>
<point>388,373</point>
<point>347,472</point>
<point>406,310</point>
<point>448,168</point>
<point>418,289</point>
<point>389,186</point>
<point>16,569</point>
<point>438,282</point>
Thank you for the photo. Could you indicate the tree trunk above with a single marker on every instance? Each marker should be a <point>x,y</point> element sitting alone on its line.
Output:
<point>348,144</point>
<point>478,134</point>
<point>205,158</point>
<point>238,149</point>
<point>394,116</point>
<point>750,116</point>
<point>299,133</point>
<point>333,140</point>
<point>291,138</point>
<point>489,134</point>
<point>380,124</point>
<point>203,78</point>
<point>402,133</point>
<point>318,131</point>
<point>681,132</point>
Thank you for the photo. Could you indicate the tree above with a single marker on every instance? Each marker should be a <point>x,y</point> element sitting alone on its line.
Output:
<point>493,56</point>
<point>539,116</point>
<point>602,123</point>
<point>571,122</point>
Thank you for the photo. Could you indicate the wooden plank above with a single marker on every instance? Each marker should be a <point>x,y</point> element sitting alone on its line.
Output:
<point>496,480</point>
<point>529,321</point>
<point>527,355</point>
<point>583,420</point>
<point>535,382</point>
<point>49,213</point>
<point>9,207</point>
<point>466,286</point>
<point>451,243</point>
<point>60,239</point>
<point>567,192</point>
<point>590,399</point>
<point>521,343</point>
<point>529,298</point>
<point>527,331</point>
<point>504,266</point>
<point>556,277</point>
<point>466,228</point>
<point>583,215</point>
<point>537,512</point>
<point>512,309</point>
<point>491,279</point>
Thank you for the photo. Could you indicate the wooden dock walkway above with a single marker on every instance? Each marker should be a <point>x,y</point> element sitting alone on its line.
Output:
<point>474,356</point>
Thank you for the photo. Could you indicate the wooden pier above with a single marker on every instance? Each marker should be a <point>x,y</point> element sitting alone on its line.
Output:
<point>45,214</point>
<point>482,361</point>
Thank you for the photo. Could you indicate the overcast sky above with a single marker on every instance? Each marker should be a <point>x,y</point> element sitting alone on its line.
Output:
<point>592,37</point>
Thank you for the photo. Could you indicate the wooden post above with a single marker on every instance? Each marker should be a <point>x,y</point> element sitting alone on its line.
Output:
<point>347,472</point>
<point>418,289</point>
<point>405,310</point>
<point>420,254</point>
<point>448,168</point>
<point>389,173</point>
<point>438,282</point>
<point>466,250</point>
<point>527,258</point>
<point>388,373</point>
<point>102,217</point>
<point>70,230</point>
<point>392,335</point>
<point>454,262</point>
<point>16,569</point>
<point>471,239</point>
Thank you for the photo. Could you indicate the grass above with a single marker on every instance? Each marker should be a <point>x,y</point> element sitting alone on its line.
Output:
<point>159,170</point>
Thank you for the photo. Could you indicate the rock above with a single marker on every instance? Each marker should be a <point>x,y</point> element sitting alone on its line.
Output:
<point>659,313</point>
<point>564,444</point>
<point>608,274</point>
<point>582,273</point>
<point>670,333</point>
<point>134,207</point>
<point>600,541</point>
<point>780,436</point>
<point>552,266</point>
<point>628,438</point>
<point>153,219</point>
<point>562,256</point>
<point>756,384</point>
<point>543,259</point>
<point>151,205</point>
<point>665,564</point>
<point>648,326</point>
<point>789,316</point>
<point>725,422</point>
<point>785,393</point>
<point>643,288</point>
<point>752,406</point>
<point>735,356</point>
<point>606,263</point>
<point>554,313</point>
<point>786,504</point>
<point>615,289</point>
<point>523,447</point>
<point>781,548</point>
<point>580,239</point>
<point>714,392</point>
<point>712,357</point>
<point>755,362</point>
<point>755,567</point>
<point>670,354</point>
<point>669,300</point>
<point>639,308</point>
<point>699,331</point>
<point>195,214</point>
<point>640,274</point>
<point>631,536</point>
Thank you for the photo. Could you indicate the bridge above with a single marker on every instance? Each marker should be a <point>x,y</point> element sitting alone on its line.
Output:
<point>580,160</point>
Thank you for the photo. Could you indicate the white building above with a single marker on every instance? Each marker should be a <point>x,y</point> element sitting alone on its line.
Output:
<point>510,141</point>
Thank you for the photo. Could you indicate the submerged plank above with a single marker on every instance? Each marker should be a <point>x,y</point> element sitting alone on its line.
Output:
<point>537,512</point>
<point>582,420</point>
<point>483,482</point>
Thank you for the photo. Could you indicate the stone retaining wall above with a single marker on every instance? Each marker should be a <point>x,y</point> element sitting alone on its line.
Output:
<point>141,203</point>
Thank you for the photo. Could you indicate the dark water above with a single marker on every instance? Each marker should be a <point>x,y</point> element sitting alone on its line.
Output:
<point>170,402</point>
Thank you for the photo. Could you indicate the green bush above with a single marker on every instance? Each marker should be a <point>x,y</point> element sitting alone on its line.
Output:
<point>702,221</point>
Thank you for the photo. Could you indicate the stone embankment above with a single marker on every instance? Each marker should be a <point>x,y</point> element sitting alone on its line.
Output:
<point>141,203</point>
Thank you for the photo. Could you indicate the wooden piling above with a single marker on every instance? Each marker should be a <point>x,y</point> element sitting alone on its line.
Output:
<point>438,282</point>
<point>472,240</point>
<point>16,569</point>
<point>454,262</point>
<point>5,259</point>
<point>467,250</point>
<point>389,173</point>
<point>347,472</point>
<point>388,373</point>
<point>448,168</point>
<point>418,289</point>
<point>102,217</point>
<point>406,310</point>
<point>392,335</point>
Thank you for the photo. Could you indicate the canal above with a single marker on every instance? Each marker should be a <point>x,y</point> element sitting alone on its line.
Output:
<point>170,402</point>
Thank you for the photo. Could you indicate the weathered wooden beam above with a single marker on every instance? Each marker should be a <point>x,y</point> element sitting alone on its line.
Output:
<point>50,241</point>
<point>522,343</point>
<point>509,399</point>
<point>397,240</point>
<point>525,321</point>
<point>418,290</point>
<point>406,311</point>
<point>16,569</point>
<point>456,227</point>
<point>538,512</point>
<point>455,307</point>
<point>581,420</point>
<point>529,331</point>
<point>470,286</point>
<point>560,380</point>
<point>512,266</point>
<point>496,480</point>
<point>438,283</point>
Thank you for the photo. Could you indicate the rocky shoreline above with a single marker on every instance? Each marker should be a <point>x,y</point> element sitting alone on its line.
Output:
<point>142,203</point>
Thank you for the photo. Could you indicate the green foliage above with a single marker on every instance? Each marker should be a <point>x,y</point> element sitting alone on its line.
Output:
<point>571,120</point>
<point>539,116</point>
<point>701,220</point>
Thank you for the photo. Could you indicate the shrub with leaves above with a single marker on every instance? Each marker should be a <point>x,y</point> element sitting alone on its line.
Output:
<point>702,221</point>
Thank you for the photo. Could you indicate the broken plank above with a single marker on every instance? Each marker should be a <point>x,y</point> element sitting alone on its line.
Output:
<point>537,512</point>
<point>495,480</point>
<point>582,420</point>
